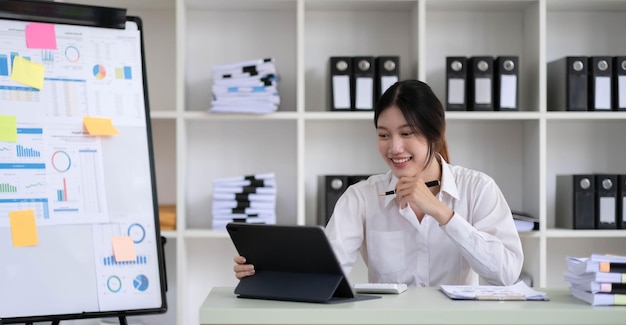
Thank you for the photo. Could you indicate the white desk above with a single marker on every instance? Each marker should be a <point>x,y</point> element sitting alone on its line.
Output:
<point>415,306</point>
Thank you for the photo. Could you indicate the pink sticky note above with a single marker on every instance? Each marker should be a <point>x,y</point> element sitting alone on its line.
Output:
<point>41,36</point>
<point>124,249</point>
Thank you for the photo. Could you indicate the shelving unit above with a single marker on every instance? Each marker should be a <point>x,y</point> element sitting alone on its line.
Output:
<point>523,151</point>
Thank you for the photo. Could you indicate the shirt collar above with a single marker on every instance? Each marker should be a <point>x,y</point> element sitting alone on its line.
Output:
<point>448,184</point>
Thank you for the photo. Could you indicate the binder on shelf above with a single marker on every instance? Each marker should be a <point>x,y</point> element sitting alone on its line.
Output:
<point>600,88</point>
<point>332,187</point>
<point>364,73</point>
<point>619,83</point>
<point>480,85</point>
<point>387,73</point>
<point>621,202</point>
<point>568,81</point>
<point>456,83</point>
<point>606,201</point>
<point>340,81</point>
<point>575,198</point>
<point>506,88</point>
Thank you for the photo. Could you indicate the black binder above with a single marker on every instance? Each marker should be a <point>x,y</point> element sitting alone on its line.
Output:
<point>606,201</point>
<point>567,84</point>
<point>576,83</point>
<point>575,201</point>
<point>456,83</point>
<point>293,263</point>
<point>619,83</point>
<point>387,73</point>
<point>600,88</point>
<point>340,83</point>
<point>333,187</point>
<point>480,85</point>
<point>506,83</point>
<point>364,73</point>
<point>621,201</point>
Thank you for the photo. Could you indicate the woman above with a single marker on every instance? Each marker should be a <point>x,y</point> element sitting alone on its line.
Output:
<point>452,232</point>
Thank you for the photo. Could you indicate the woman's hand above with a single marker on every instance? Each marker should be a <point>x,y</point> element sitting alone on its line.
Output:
<point>413,191</point>
<point>241,269</point>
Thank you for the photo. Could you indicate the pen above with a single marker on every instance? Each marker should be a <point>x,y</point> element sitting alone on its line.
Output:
<point>428,184</point>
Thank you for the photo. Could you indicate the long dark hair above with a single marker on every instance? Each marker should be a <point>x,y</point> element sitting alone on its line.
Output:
<point>422,110</point>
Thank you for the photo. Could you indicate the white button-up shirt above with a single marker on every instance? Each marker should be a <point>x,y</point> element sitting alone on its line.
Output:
<point>479,240</point>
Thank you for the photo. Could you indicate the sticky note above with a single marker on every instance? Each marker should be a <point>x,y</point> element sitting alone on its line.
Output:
<point>8,128</point>
<point>124,249</point>
<point>99,126</point>
<point>27,72</point>
<point>23,228</point>
<point>41,36</point>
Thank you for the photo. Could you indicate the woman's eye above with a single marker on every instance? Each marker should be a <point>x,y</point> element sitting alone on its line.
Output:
<point>383,136</point>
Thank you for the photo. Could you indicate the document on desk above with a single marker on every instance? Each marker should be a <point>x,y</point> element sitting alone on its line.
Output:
<point>518,291</point>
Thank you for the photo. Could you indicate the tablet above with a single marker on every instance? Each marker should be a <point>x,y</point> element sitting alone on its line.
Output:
<point>293,263</point>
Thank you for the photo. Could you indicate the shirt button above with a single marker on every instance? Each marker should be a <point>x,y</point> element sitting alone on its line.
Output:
<point>422,285</point>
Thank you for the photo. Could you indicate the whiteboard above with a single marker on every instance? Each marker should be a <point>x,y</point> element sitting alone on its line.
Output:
<point>88,191</point>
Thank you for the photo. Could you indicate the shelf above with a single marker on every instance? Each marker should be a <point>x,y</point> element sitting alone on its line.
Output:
<point>570,233</point>
<point>523,151</point>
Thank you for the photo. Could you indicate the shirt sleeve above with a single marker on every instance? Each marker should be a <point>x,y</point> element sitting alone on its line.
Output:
<point>345,229</point>
<point>489,241</point>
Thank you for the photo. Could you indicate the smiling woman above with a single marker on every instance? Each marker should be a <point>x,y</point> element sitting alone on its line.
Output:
<point>453,229</point>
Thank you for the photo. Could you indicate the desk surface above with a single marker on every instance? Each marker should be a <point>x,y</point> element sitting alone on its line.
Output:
<point>414,306</point>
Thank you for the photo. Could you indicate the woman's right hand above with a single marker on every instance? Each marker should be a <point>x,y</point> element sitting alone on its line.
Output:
<point>242,269</point>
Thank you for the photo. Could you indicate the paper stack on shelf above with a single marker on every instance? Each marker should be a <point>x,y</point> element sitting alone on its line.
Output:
<point>249,199</point>
<point>245,87</point>
<point>525,222</point>
<point>599,280</point>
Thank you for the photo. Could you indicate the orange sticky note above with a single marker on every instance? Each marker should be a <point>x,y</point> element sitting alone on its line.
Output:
<point>27,72</point>
<point>41,36</point>
<point>124,249</point>
<point>23,228</point>
<point>605,267</point>
<point>99,126</point>
<point>8,128</point>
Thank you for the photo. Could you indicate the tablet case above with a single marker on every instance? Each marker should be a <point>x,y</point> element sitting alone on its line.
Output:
<point>293,263</point>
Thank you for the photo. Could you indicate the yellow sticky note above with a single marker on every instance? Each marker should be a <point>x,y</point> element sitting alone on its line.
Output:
<point>27,72</point>
<point>124,249</point>
<point>8,128</point>
<point>99,126</point>
<point>23,228</point>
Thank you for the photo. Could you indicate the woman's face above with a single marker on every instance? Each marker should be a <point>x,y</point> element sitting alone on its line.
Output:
<point>404,151</point>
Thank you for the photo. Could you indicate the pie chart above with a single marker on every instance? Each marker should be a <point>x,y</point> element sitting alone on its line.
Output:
<point>140,282</point>
<point>99,72</point>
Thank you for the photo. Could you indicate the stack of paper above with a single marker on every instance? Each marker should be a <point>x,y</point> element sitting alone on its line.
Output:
<point>600,280</point>
<point>518,291</point>
<point>525,222</point>
<point>245,87</point>
<point>250,199</point>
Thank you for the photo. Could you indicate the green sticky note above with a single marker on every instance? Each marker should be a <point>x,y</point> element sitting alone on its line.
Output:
<point>619,299</point>
<point>8,128</point>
